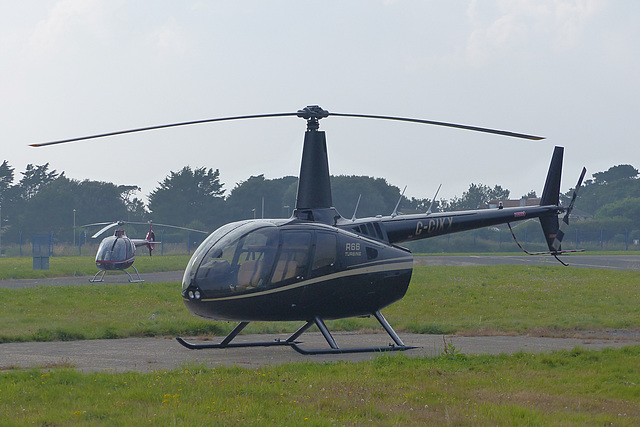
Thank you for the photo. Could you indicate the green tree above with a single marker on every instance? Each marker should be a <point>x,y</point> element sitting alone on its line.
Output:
<point>628,208</point>
<point>616,173</point>
<point>58,203</point>
<point>247,198</point>
<point>6,179</point>
<point>34,178</point>
<point>421,205</point>
<point>477,196</point>
<point>189,196</point>
<point>614,185</point>
<point>377,196</point>
<point>16,211</point>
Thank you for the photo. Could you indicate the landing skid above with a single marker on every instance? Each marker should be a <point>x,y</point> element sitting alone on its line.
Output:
<point>101,273</point>
<point>292,342</point>
<point>101,279</point>
<point>226,343</point>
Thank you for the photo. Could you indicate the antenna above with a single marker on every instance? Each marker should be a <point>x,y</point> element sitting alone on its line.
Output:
<point>433,200</point>
<point>395,211</point>
<point>353,218</point>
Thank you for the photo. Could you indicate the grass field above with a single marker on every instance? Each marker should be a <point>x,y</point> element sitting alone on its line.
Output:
<point>22,267</point>
<point>538,300</point>
<point>564,388</point>
<point>66,266</point>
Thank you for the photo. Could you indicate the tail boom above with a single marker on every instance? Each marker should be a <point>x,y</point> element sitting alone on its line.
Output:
<point>404,228</point>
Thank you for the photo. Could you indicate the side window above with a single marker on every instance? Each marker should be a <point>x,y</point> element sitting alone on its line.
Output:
<point>294,257</point>
<point>378,230</point>
<point>370,230</point>
<point>324,258</point>
<point>254,257</point>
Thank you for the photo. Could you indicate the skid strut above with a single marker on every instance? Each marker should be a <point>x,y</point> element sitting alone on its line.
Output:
<point>101,273</point>
<point>292,342</point>
<point>131,279</point>
<point>101,279</point>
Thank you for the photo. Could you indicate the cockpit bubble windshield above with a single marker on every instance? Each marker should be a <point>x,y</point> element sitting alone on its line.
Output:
<point>113,249</point>
<point>234,258</point>
<point>259,255</point>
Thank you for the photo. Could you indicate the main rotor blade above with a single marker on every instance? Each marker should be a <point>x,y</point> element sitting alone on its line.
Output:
<point>96,223</point>
<point>113,224</point>
<point>195,122</point>
<point>170,226</point>
<point>298,114</point>
<point>451,125</point>
<point>102,230</point>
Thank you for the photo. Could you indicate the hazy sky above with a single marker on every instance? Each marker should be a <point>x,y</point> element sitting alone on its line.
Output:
<point>566,70</point>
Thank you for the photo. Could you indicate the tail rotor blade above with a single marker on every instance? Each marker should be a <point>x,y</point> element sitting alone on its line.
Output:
<point>565,220</point>
<point>575,193</point>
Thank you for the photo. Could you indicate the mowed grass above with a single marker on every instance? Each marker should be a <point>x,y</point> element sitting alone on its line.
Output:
<point>536,300</point>
<point>22,267</point>
<point>542,300</point>
<point>577,387</point>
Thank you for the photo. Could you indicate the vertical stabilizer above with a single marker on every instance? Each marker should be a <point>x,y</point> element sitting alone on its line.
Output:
<point>551,196</point>
<point>551,192</point>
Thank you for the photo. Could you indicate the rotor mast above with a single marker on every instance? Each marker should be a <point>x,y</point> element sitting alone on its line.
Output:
<point>314,186</point>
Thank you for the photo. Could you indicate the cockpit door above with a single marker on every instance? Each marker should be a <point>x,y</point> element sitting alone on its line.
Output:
<point>292,263</point>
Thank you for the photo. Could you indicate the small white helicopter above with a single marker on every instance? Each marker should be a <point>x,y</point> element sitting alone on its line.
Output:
<point>118,252</point>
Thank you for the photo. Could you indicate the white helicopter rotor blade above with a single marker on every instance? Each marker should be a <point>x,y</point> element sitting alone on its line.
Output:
<point>157,224</point>
<point>102,230</point>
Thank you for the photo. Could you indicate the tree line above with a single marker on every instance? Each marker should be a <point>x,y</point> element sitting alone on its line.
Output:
<point>43,200</point>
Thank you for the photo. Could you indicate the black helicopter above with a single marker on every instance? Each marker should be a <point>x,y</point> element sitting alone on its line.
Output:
<point>318,265</point>
<point>118,252</point>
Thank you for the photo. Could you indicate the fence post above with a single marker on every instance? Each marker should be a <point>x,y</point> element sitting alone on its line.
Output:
<point>626,239</point>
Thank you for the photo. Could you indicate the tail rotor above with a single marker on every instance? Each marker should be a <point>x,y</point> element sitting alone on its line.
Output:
<point>553,229</point>
<point>555,245</point>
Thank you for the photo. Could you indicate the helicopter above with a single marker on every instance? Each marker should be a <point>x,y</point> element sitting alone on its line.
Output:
<point>318,265</point>
<point>118,252</point>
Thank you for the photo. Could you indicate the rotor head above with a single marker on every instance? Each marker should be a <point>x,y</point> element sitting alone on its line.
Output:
<point>312,114</point>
